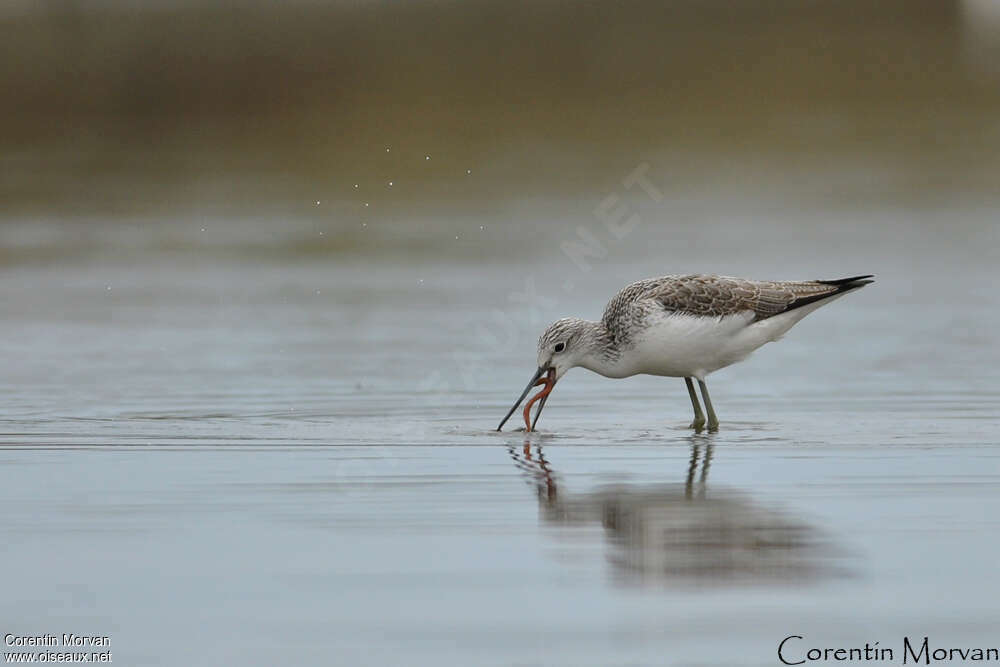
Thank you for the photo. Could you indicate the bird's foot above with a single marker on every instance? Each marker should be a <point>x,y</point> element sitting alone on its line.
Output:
<point>698,425</point>
<point>713,425</point>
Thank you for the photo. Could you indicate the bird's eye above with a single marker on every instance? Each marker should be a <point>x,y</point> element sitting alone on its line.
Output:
<point>559,347</point>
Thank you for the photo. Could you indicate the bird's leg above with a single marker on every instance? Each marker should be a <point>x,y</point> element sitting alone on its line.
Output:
<point>713,421</point>
<point>699,416</point>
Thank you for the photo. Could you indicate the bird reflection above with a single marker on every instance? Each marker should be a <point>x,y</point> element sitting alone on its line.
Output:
<point>682,533</point>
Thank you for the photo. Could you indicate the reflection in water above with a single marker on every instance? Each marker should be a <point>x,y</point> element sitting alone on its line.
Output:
<point>680,533</point>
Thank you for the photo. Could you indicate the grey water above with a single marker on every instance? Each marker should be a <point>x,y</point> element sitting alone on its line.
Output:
<point>273,456</point>
<point>271,274</point>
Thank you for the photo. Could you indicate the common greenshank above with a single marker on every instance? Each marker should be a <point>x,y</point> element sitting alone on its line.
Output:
<point>677,326</point>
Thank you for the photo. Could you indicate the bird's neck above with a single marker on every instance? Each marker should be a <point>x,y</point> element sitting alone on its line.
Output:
<point>602,354</point>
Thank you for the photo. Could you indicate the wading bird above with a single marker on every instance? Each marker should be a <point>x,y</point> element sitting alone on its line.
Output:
<point>677,326</point>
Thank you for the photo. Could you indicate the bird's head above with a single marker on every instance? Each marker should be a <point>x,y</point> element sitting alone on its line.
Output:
<point>560,348</point>
<point>561,345</point>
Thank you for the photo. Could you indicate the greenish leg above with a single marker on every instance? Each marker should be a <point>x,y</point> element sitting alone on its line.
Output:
<point>699,416</point>
<point>713,421</point>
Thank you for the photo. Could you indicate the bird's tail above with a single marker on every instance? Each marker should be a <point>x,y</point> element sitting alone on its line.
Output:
<point>844,284</point>
<point>839,287</point>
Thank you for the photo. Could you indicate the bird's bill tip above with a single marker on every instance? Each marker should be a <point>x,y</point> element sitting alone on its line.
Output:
<point>531,383</point>
<point>550,382</point>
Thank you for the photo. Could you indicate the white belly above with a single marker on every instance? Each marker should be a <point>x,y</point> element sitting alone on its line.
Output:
<point>679,345</point>
<point>683,345</point>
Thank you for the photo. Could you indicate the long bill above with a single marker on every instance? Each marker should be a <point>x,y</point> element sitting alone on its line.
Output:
<point>531,383</point>
<point>550,383</point>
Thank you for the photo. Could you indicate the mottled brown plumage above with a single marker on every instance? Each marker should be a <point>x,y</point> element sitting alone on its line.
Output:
<point>679,326</point>
<point>716,296</point>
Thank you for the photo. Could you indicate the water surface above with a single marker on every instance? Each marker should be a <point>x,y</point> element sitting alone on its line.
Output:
<point>218,458</point>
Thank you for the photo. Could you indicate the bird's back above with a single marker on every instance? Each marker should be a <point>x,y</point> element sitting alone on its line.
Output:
<point>715,296</point>
<point>687,326</point>
<point>718,296</point>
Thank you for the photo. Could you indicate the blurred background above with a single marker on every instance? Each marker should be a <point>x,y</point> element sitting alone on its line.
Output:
<point>362,209</point>
<point>249,113</point>
<point>260,260</point>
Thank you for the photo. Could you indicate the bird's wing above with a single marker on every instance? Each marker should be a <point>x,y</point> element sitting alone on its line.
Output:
<point>718,296</point>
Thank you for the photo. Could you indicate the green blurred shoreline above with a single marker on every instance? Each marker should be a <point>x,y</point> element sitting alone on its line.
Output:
<point>149,110</point>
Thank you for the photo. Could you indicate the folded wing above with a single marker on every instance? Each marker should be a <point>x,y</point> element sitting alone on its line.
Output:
<point>718,296</point>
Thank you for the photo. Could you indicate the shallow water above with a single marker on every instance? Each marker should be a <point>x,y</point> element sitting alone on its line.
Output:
<point>218,459</point>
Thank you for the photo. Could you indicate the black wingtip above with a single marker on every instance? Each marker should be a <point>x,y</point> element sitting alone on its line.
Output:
<point>849,283</point>
<point>842,285</point>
